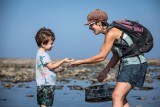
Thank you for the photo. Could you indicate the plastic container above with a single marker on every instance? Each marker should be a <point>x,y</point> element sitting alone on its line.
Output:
<point>98,93</point>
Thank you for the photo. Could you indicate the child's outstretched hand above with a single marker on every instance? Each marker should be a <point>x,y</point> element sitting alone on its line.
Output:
<point>68,60</point>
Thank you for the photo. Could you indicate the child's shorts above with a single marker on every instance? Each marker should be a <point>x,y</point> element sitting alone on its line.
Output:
<point>133,74</point>
<point>45,95</point>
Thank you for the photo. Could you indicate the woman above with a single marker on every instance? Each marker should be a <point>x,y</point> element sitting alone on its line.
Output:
<point>133,69</point>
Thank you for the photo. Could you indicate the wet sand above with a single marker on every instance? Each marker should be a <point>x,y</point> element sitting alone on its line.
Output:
<point>18,88</point>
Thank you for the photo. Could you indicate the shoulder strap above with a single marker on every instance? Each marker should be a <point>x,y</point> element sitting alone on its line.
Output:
<point>108,28</point>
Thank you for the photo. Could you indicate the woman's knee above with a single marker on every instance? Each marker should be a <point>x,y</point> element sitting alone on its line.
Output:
<point>117,96</point>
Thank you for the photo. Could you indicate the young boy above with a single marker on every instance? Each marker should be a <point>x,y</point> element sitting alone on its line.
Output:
<point>45,75</point>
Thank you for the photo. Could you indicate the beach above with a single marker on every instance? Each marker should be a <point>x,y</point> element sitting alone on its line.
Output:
<point>18,86</point>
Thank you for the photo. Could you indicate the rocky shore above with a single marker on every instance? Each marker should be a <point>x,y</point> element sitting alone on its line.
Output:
<point>17,76</point>
<point>23,70</point>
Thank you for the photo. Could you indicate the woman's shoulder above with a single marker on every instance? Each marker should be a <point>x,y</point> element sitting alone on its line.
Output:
<point>114,32</point>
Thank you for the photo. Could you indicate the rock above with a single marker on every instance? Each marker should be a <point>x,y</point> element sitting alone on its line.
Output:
<point>158,77</point>
<point>29,95</point>
<point>149,80</point>
<point>21,85</point>
<point>139,106</point>
<point>76,87</point>
<point>147,88</point>
<point>8,85</point>
<point>59,87</point>
<point>3,99</point>
<point>59,69</point>
<point>142,98</point>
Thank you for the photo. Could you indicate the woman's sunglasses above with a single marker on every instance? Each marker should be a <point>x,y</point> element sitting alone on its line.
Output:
<point>91,24</point>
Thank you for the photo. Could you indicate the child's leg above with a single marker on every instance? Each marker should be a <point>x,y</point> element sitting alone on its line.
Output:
<point>43,106</point>
<point>119,94</point>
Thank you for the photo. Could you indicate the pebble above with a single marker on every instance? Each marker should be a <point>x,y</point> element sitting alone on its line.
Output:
<point>142,98</point>
<point>29,95</point>
<point>139,106</point>
<point>147,88</point>
<point>3,99</point>
<point>8,85</point>
<point>74,87</point>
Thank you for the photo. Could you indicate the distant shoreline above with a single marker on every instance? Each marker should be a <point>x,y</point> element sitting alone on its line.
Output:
<point>23,70</point>
<point>32,61</point>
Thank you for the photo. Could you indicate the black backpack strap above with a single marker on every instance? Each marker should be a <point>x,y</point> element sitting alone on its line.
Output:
<point>123,43</point>
<point>108,28</point>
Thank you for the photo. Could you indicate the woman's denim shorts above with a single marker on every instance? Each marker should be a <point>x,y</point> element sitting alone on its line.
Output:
<point>133,74</point>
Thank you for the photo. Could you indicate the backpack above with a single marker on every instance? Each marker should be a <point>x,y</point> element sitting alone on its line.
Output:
<point>140,35</point>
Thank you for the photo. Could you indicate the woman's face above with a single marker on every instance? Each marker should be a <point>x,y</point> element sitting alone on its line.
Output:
<point>96,28</point>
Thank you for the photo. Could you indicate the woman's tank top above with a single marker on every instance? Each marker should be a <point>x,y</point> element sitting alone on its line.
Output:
<point>129,60</point>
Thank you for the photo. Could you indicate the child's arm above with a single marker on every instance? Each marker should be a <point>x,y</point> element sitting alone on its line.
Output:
<point>52,66</point>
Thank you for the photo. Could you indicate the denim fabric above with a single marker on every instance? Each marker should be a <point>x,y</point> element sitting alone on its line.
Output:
<point>133,74</point>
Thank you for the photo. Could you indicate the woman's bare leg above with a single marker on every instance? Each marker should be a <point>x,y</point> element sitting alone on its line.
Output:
<point>119,94</point>
<point>126,104</point>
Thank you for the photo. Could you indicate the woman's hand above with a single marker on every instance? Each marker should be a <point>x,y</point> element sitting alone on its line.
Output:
<point>75,63</point>
<point>102,76</point>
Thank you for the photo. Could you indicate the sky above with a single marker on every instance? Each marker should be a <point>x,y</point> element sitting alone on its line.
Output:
<point>21,19</point>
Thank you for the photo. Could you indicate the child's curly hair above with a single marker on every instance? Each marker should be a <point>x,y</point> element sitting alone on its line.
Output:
<point>43,36</point>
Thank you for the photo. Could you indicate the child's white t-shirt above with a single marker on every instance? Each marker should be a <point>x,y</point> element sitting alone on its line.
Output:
<point>44,76</point>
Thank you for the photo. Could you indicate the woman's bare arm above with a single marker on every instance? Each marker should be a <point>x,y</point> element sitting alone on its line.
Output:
<point>104,51</point>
